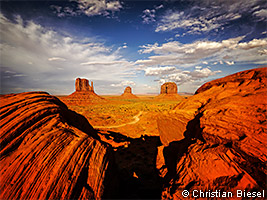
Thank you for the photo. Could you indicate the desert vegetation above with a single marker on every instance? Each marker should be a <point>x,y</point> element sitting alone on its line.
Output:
<point>117,111</point>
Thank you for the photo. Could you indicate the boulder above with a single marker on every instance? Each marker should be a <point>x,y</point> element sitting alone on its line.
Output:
<point>50,152</point>
<point>216,139</point>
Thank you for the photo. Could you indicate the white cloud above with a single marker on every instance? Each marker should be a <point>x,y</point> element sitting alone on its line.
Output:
<point>64,11</point>
<point>159,7</point>
<point>98,7</point>
<point>130,74</point>
<point>36,52</point>
<point>108,62</point>
<point>56,59</point>
<point>261,14</point>
<point>253,44</point>
<point>123,83</point>
<point>148,16</point>
<point>263,52</point>
<point>229,62</point>
<point>205,16</point>
<point>177,54</point>
<point>157,71</point>
<point>89,8</point>
<point>172,74</point>
<point>193,25</point>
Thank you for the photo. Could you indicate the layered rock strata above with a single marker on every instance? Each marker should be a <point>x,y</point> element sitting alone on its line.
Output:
<point>216,139</point>
<point>84,94</point>
<point>83,85</point>
<point>127,94</point>
<point>50,152</point>
<point>168,91</point>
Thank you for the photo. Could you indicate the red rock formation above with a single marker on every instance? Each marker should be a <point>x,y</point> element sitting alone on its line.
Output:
<point>48,151</point>
<point>84,94</point>
<point>83,85</point>
<point>168,91</point>
<point>168,88</point>
<point>128,94</point>
<point>216,139</point>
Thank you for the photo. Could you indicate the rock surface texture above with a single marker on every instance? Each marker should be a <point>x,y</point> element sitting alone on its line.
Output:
<point>169,91</point>
<point>168,88</point>
<point>83,85</point>
<point>49,152</point>
<point>216,139</point>
<point>128,94</point>
<point>84,94</point>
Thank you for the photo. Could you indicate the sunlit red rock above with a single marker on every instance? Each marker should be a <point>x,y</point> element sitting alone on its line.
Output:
<point>127,94</point>
<point>168,91</point>
<point>168,88</point>
<point>216,139</point>
<point>83,85</point>
<point>84,94</point>
<point>50,152</point>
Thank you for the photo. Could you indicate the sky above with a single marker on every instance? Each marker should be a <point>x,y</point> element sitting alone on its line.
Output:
<point>46,45</point>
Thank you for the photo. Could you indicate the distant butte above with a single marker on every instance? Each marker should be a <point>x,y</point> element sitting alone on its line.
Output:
<point>168,91</point>
<point>83,85</point>
<point>84,94</point>
<point>128,93</point>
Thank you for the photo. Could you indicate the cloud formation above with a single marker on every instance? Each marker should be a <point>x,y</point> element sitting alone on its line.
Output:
<point>98,7</point>
<point>206,16</point>
<point>165,74</point>
<point>89,8</point>
<point>34,57</point>
<point>123,83</point>
<point>192,54</point>
<point>149,15</point>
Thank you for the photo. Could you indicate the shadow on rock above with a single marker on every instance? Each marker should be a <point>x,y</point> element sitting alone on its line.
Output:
<point>138,176</point>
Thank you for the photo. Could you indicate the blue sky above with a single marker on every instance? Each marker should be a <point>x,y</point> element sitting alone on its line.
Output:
<point>46,45</point>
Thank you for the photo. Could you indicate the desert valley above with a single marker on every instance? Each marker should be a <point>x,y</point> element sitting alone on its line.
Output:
<point>84,146</point>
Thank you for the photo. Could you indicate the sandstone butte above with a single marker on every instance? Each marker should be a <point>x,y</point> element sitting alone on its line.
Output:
<point>127,94</point>
<point>168,91</point>
<point>50,152</point>
<point>216,139</point>
<point>84,94</point>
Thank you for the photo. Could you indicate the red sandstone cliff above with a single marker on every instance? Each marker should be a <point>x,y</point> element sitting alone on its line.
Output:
<point>83,85</point>
<point>216,139</point>
<point>49,152</point>
<point>84,94</point>
<point>127,94</point>
<point>168,91</point>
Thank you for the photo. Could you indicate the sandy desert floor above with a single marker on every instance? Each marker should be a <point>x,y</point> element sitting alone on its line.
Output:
<point>130,117</point>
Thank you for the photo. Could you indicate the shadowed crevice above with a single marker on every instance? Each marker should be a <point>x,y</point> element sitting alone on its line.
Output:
<point>138,177</point>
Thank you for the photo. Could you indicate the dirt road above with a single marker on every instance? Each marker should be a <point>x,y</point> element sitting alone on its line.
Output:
<point>136,119</point>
